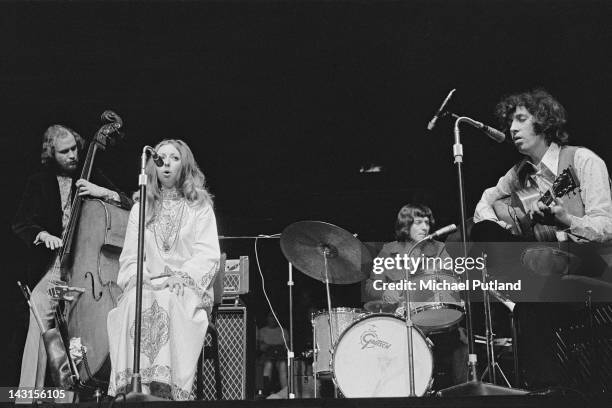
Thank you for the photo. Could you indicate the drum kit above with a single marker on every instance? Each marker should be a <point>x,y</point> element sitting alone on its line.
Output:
<point>378,352</point>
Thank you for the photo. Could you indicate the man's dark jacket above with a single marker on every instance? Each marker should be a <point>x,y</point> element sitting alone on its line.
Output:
<point>40,210</point>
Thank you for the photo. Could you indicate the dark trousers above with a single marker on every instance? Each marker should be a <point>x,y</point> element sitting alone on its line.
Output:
<point>537,320</point>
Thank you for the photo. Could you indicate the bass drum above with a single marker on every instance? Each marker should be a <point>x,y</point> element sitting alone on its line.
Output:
<point>371,359</point>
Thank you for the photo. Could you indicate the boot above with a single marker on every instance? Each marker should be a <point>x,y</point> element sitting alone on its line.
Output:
<point>267,386</point>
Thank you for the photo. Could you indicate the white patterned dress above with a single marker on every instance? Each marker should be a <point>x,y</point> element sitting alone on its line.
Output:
<point>182,240</point>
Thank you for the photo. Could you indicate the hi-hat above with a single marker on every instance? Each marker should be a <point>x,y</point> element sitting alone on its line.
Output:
<point>307,244</point>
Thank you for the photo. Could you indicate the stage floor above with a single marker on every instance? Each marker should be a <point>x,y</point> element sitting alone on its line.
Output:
<point>527,401</point>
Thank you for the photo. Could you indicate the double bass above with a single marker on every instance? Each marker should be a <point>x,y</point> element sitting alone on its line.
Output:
<point>89,262</point>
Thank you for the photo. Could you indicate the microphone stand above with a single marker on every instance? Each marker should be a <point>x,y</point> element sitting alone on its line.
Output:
<point>136,393</point>
<point>473,386</point>
<point>409,324</point>
<point>142,183</point>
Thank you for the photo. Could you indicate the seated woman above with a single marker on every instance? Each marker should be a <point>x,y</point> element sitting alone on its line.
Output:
<point>181,257</point>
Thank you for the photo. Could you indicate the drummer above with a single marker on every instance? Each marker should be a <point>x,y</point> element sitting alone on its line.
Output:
<point>413,224</point>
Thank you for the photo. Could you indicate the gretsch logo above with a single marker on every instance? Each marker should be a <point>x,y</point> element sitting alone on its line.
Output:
<point>369,339</point>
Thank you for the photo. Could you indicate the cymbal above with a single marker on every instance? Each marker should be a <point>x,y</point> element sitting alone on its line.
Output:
<point>599,283</point>
<point>306,244</point>
<point>378,306</point>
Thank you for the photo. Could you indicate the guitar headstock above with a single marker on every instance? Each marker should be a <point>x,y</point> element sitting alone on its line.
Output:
<point>565,183</point>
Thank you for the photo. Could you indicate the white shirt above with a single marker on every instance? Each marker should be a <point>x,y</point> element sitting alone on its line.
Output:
<point>592,173</point>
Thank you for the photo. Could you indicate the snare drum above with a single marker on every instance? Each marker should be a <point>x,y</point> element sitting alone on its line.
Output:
<point>342,318</point>
<point>371,359</point>
<point>435,310</point>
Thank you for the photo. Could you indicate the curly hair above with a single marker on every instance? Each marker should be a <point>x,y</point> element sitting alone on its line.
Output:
<point>191,182</point>
<point>550,116</point>
<point>53,132</point>
<point>405,218</point>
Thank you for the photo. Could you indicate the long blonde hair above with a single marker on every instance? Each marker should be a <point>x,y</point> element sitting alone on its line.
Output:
<point>191,182</point>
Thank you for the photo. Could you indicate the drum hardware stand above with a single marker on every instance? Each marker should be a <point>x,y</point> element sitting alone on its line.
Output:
<point>473,386</point>
<point>290,354</point>
<point>515,345</point>
<point>510,305</point>
<point>328,253</point>
<point>409,324</point>
<point>315,355</point>
<point>492,365</point>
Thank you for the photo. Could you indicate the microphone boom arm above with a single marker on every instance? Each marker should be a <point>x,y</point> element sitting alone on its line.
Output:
<point>491,132</point>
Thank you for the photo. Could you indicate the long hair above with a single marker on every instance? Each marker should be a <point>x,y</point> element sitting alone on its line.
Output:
<point>53,132</point>
<point>191,182</point>
<point>405,218</point>
<point>550,116</point>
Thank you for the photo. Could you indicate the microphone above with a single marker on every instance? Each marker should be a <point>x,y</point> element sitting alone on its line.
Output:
<point>442,231</point>
<point>159,162</point>
<point>433,120</point>
<point>493,133</point>
<point>488,130</point>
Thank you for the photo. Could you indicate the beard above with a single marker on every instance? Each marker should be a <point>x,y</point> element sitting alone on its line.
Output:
<point>67,169</point>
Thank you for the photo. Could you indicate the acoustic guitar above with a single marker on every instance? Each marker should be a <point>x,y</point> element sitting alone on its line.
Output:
<point>516,209</point>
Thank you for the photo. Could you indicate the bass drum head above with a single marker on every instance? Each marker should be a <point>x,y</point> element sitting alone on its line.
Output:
<point>371,359</point>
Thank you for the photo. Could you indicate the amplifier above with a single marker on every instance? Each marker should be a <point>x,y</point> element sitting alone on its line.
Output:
<point>236,277</point>
<point>232,328</point>
<point>584,350</point>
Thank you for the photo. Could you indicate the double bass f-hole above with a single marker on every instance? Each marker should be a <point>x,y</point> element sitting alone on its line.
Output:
<point>93,287</point>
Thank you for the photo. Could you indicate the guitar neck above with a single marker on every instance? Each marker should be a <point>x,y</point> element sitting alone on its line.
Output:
<point>547,198</point>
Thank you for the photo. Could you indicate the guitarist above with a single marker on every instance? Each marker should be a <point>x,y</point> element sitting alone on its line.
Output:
<point>40,220</point>
<point>535,123</point>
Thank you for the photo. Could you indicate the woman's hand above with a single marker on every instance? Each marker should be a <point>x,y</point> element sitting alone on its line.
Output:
<point>132,283</point>
<point>175,284</point>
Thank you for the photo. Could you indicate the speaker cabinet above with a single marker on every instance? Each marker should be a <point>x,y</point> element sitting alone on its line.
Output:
<point>233,328</point>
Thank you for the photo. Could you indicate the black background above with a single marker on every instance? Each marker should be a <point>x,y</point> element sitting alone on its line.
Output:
<point>283,102</point>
